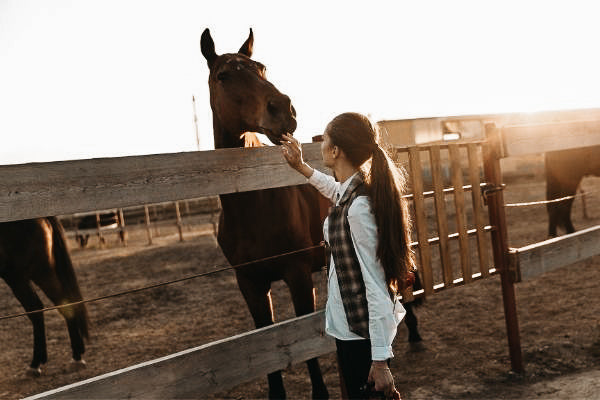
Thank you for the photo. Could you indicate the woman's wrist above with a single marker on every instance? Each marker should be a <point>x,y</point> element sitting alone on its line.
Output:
<point>380,364</point>
<point>306,170</point>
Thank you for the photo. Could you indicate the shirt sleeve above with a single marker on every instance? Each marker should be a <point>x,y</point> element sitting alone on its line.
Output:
<point>325,184</point>
<point>384,314</point>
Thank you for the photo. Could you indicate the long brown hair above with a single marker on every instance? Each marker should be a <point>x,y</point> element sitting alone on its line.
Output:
<point>361,143</point>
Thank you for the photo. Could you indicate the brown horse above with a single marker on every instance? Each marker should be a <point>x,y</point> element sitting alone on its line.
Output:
<point>564,171</point>
<point>34,251</point>
<point>263,223</point>
<point>258,224</point>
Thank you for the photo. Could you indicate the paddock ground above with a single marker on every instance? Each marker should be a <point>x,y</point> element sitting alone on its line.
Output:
<point>465,354</point>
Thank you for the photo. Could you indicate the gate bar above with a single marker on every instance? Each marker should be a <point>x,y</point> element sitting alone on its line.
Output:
<point>478,214</point>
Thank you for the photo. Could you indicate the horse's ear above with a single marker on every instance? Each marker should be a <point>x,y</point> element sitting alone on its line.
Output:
<point>207,46</point>
<point>246,48</point>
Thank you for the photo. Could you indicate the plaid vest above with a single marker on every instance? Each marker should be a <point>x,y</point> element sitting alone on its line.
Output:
<point>347,268</point>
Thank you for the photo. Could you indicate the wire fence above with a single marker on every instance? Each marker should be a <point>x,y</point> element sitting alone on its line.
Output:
<point>161,284</point>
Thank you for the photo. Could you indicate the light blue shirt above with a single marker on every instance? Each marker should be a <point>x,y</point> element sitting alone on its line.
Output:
<point>384,314</point>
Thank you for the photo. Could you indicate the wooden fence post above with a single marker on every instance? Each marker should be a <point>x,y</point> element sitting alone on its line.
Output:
<point>179,223</point>
<point>123,230</point>
<point>495,201</point>
<point>148,230</point>
<point>99,233</point>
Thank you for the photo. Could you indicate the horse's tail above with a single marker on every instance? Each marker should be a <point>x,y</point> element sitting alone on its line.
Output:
<point>66,275</point>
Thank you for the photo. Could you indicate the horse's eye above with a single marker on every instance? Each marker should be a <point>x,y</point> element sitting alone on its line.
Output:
<point>262,68</point>
<point>221,76</point>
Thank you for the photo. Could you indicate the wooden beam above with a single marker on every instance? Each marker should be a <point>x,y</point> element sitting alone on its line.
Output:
<point>441,214</point>
<point>478,213</point>
<point>65,187</point>
<point>216,366</point>
<point>541,138</point>
<point>535,259</point>
<point>461,217</point>
<point>420,219</point>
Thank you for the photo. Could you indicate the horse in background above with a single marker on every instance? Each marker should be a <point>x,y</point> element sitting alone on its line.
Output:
<point>108,219</point>
<point>35,252</point>
<point>564,171</point>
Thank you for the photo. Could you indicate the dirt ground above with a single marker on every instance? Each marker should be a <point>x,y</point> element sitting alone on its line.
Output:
<point>465,352</point>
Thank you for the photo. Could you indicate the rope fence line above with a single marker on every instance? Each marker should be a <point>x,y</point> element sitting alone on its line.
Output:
<point>160,284</point>
<point>540,202</point>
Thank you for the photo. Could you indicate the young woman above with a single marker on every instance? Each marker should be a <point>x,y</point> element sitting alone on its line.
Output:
<point>368,235</point>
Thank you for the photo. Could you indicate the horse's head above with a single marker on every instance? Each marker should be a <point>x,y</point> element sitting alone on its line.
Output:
<point>241,97</point>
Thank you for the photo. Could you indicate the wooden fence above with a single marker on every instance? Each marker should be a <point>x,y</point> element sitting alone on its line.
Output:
<point>150,215</point>
<point>34,190</point>
<point>531,260</point>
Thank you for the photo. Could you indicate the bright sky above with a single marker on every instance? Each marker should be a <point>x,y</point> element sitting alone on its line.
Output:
<point>82,79</point>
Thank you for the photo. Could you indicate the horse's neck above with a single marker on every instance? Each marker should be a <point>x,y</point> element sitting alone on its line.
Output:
<point>224,139</point>
<point>247,204</point>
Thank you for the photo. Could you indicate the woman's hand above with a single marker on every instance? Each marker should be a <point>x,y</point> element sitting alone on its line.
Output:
<point>292,152</point>
<point>381,376</point>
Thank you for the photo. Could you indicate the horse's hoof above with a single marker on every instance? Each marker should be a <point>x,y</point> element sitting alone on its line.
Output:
<point>416,347</point>
<point>34,372</point>
<point>78,365</point>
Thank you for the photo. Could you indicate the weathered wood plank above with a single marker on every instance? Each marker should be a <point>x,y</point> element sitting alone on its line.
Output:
<point>461,218</point>
<point>478,213</point>
<point>541,138</point>
<point>550,254</point>
<point>65,187</point>
<point>216,366</point>
<point>441,214</point>
<point>420,219</point>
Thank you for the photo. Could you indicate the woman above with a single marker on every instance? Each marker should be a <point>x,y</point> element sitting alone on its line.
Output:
<point>368,235</point>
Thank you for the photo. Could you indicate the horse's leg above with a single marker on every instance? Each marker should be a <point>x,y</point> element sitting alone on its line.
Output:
<point>256,292</point>
<point>553,191</point>
<point>414,338</point>
<point>552,219</point>
<point>52,287</point>
<point>559,213</point>
<point>567,223</point>
<point>24,292</point>
<point>303,297</point>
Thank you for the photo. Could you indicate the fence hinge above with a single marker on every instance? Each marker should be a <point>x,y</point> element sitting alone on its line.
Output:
<point>489,188</point>
<point>514,266</point>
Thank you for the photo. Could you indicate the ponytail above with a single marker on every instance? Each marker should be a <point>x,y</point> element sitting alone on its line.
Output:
<point>387,183</point>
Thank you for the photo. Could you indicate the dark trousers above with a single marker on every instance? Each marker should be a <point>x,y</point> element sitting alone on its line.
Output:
<point>354,359</point>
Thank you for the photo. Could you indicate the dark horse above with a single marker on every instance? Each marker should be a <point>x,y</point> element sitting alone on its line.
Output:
<point>34,251</point>
<point>564,171</point>
<point>97,221</point>
<point>263,223</point>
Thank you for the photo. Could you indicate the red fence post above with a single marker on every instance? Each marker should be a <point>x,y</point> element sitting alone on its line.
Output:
<point>495,199</point>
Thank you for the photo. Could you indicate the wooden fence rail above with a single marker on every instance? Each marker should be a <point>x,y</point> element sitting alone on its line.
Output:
<point>64,187</point>
<point>520,140</point>
<point>217,366</point>
<point>535,259</point>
